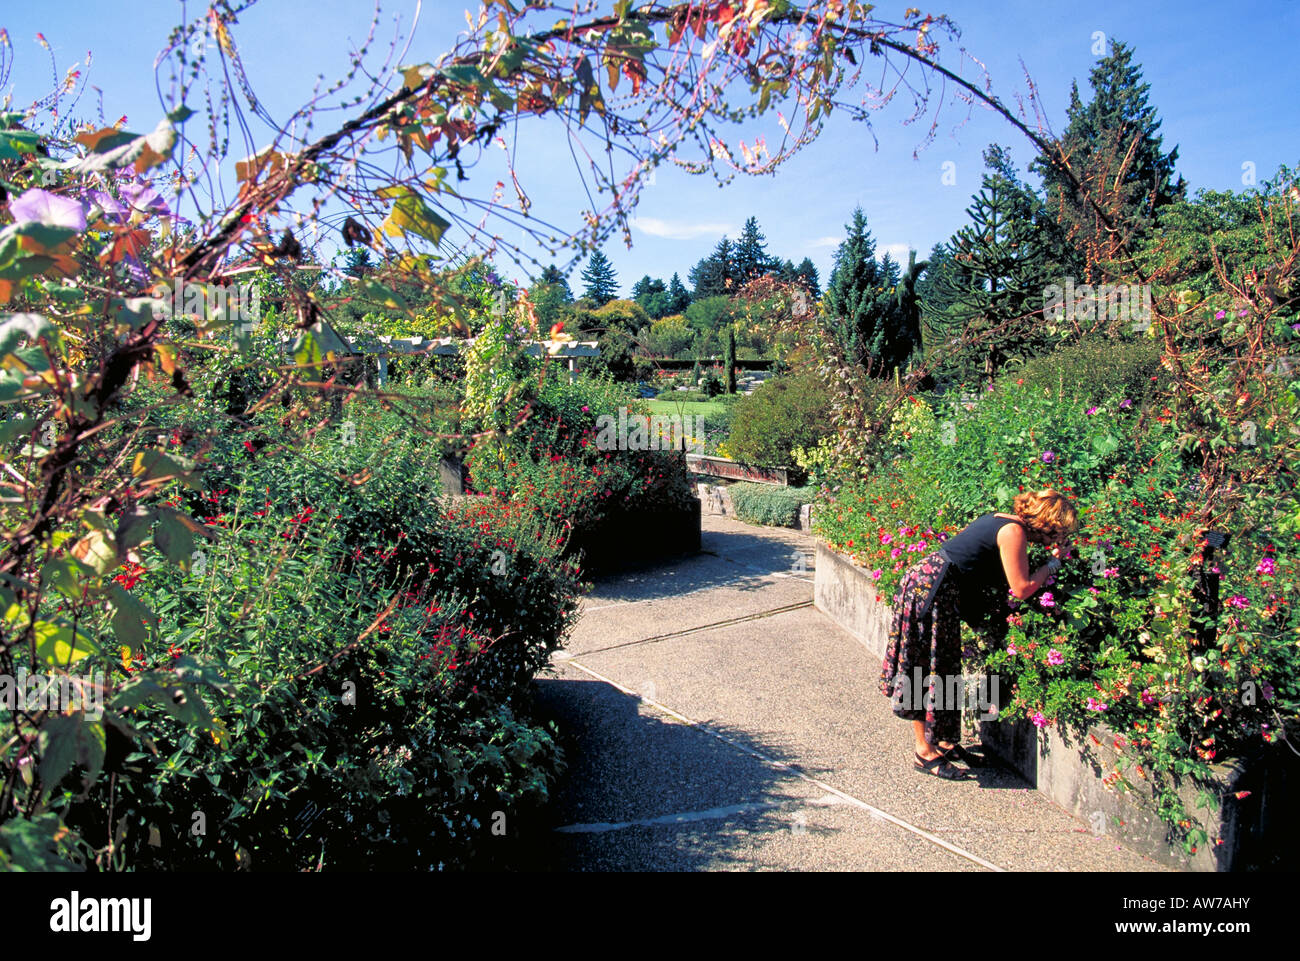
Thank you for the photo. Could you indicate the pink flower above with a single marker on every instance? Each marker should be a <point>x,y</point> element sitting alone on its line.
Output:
<point>585,408</point>
<point>1038,719</point>
<point>1090,411</point>
<point>1011,648</point>
<point>1125,404</point>
<point>1055,657</point>
<point>1148,698</point>
<point>896,552</point>
<point>1110,572</point>
<point>1047,600</point>
<point>1236,600</point>
<point>1266,566</point>
<point>875,575</point>
<point>886,538</point>
<point>1095,705</point>
<point>1220,315</point>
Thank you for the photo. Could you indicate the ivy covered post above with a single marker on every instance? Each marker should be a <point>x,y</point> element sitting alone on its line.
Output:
<point>729,360</point>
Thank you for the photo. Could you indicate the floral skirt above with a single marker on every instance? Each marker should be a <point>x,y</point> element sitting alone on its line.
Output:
<point>925,649</point>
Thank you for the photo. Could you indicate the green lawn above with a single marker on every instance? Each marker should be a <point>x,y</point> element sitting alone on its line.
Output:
<point>692,407</point>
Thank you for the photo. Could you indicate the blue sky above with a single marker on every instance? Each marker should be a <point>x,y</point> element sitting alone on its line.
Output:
<point>1224,88</point>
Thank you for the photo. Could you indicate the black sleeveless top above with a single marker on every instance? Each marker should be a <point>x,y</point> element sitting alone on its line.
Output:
<point>973,555</point>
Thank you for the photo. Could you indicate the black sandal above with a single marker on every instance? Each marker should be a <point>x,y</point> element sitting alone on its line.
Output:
<point>959,753</point>
<point>939,767</point>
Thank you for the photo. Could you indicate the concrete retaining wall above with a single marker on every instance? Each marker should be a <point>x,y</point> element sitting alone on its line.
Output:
<point>1256,831</point>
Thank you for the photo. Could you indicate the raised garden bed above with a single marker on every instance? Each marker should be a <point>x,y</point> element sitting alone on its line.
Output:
<point>631,538</point>
<point>1255,831</point>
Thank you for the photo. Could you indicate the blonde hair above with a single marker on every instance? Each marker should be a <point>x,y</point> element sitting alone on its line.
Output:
<point>1046,513</point>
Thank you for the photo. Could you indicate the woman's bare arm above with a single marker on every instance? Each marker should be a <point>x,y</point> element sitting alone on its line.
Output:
<point>1015,562</point>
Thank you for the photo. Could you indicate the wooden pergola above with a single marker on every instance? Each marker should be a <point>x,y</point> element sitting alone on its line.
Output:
<point>383,347</point>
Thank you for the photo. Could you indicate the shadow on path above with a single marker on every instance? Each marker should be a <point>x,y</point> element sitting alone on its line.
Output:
<point>626,763</point>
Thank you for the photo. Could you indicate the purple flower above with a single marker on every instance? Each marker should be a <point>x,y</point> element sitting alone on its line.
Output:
<point>1090,411</point>
<point>1047,600</point>
<point>1243,312</point>
<point>1049,457</point>
<point>1055,657</point>
<point>1148,698</point>
<point>108,204</point>
<point>1038,719</point>
<point>1267,688</point>
<point>145,199</point>
<point>1125,404</point>
<point>1266,566</point>
<point>42,207</point>
<point>1220,315</point>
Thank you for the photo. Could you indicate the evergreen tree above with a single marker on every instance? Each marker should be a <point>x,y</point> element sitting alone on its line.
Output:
<point>807,272</point>
<point>679,298</point>
<point>357,262</point>
<point>600,280</point>
<point>1003,269</point>
<point>550,295</point>
<point>715,275</point>
<point>889,272</point>
<point>851,293</point>
<point>875,323</point>
<point>751,260</point>
<point>1114,149</point>
<point>652,294</point>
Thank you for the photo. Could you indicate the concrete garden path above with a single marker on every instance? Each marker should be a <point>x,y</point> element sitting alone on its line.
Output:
<point>713,719</point>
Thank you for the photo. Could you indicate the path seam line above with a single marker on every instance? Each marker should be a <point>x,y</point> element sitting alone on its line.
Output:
<point>782,766</point>
<point>729,622</point>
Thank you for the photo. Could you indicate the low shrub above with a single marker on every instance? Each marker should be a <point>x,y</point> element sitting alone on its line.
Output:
<point>768,504</point>
<point>1093,370</point>
<point>781,414</point>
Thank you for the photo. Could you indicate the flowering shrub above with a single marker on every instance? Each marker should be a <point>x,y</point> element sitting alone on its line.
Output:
<point>1121,633</point>
<point>551,464</point>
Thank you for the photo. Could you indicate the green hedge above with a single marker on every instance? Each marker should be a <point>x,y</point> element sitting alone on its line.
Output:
<point>768,504</point>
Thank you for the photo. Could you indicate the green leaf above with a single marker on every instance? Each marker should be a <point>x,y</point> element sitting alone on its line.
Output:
<point>153,464</point>
<point>174,539</point>
<point>58,744</point>
<point>411,215</point>
<point>19,327</point>
<point>58,645</point>
<point>133,622</point>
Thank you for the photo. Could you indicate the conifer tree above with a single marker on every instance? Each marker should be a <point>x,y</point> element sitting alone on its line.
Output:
<point>600,280</point>
<point>1114,148</point>
<point>992,286</point>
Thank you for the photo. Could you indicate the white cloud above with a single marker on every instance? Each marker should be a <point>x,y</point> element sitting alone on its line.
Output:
<point>680,230</point>
<point>825,242</point>
<point>897,251</point>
